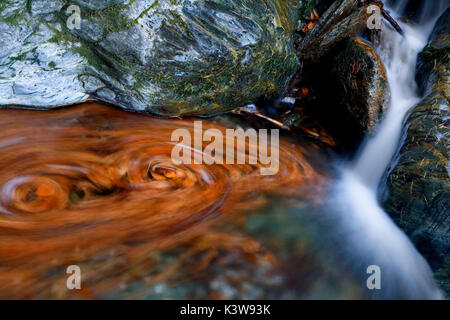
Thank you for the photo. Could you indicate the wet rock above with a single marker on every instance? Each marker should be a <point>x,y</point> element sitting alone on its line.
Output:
<point>164,57</point>
<point>433,60</point>
<point>418,186</point>
<point>361,83</point>
<point>91,30</point>
<point>347,93</point>
<point>345,77</point>
<point>343,19</point>
<point>44,6</point>
<point>100,4</point>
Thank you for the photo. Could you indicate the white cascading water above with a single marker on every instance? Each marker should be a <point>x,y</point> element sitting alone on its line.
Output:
<point>373,238</point>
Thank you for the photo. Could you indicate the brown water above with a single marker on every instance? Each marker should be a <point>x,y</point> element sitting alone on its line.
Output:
<point>95,186</point>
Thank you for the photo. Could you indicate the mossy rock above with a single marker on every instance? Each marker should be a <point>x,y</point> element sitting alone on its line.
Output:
<point>347,88</point>
<point>166,57</point>
<point>418,186</point>
<point>343,19</point>
<point>361,83</point>
<point>434,56</point>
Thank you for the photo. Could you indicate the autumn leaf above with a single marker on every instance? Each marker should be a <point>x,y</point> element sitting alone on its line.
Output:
<point>314,18</point>
<point>44,191</point>
<point>304,92</point>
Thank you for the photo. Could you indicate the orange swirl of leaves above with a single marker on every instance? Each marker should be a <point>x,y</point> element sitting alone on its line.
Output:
<point>84,180</point>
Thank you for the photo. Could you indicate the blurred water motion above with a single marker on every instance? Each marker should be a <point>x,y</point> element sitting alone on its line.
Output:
<point>94,186</point>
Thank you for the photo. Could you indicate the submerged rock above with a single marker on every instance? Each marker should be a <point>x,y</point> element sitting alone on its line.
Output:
<point>418,196</point>
<point>165,57</point>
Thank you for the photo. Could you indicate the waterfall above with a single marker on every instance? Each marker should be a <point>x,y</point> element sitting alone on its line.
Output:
<point>399,55</point>
<point>370,233</point>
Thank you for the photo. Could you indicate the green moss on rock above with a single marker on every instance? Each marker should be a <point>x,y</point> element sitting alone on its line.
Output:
<point>361,82</point>
<point>418,186</point>
<point>166,57</point>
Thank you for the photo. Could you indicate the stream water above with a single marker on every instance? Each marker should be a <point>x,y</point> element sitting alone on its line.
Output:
<point>357,190</point>
<point>96,187</point>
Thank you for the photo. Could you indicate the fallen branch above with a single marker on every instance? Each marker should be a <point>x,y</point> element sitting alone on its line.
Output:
<point>391,20</point>
<point>254,112</point>
<point>388,17</point>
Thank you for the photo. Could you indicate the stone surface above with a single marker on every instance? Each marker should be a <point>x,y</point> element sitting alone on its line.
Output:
<point>164,57</point>
<point>432,60</point>
<point>343,19</point>
<point>418,193</point>
<point>345,93</point>
<point>361,83</point>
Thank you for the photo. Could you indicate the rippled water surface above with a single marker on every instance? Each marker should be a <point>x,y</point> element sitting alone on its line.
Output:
<point>94,186</point>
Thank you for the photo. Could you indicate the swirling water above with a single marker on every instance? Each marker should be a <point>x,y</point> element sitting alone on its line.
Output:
<point>95,186</point>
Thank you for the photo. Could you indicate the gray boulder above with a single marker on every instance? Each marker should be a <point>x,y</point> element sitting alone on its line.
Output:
<point>171,58</point>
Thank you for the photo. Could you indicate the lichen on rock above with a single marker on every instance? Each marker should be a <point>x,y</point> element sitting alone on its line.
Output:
<point>343,19</point>
<point>362,83</point>
<point>166,57</point>
<point>418,186</point>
